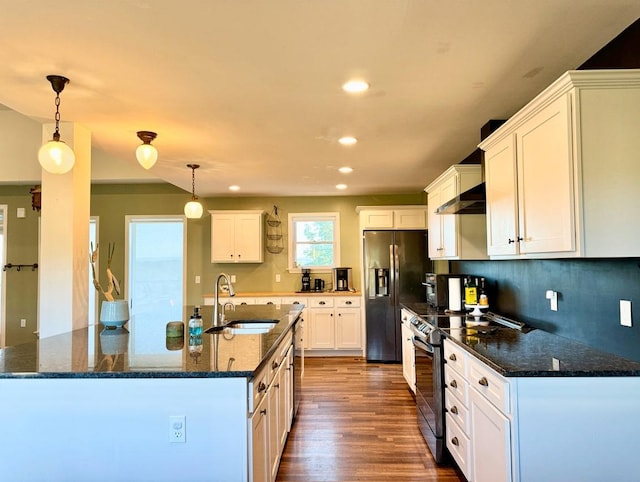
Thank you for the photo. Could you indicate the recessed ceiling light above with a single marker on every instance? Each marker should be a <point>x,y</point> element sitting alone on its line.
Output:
<point>341,186</point>
<point>234,188</point>
<point>345,170</point>
<point>347,140</point>
<point>355,86</point>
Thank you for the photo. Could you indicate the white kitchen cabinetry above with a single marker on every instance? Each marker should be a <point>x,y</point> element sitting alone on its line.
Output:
<point>335,323</point>
<point>561,174</point>
<point>260,471</point>
<point>236,236</point>
<point>392,217</point>
<point>408,353</point>
<point>456,398</point>
<point>453,236</point>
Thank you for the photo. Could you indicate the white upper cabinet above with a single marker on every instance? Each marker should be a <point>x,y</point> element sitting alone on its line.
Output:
<point>562,174</point>
<point>393,217</point>
<point>236,237</point>
<point>454,236</point>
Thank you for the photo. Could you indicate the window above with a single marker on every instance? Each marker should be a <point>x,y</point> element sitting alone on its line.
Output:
<point>314,241</point>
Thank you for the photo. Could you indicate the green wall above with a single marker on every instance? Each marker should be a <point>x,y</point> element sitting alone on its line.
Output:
<point>112,202</point>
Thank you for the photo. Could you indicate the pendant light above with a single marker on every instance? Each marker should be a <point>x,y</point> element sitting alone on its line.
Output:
<point>193,209</point>
<point>146,154</point>
<point>55,156</point>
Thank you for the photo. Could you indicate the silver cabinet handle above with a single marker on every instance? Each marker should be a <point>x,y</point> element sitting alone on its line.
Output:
<point>484,382</point>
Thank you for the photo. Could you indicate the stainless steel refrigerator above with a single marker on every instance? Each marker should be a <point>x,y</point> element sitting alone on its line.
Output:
<point>395,263</point>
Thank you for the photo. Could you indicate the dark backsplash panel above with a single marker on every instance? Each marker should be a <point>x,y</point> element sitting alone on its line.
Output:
<point>589,297</point>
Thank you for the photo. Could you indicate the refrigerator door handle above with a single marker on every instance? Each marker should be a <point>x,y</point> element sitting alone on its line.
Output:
<point>393,272</point>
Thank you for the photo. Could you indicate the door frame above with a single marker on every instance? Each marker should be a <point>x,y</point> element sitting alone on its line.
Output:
<point>4,208</point>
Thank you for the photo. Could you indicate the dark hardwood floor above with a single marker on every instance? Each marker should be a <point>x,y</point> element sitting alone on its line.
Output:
<point>357,422</point>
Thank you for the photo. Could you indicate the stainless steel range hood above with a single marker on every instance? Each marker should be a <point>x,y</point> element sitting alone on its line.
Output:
<point>472,201</point>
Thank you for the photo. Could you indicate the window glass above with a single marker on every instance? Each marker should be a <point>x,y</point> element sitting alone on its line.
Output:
<point>314,241</point>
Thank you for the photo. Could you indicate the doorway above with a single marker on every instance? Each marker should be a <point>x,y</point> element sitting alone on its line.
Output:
<point>3,278</point>
<point>155,271</point>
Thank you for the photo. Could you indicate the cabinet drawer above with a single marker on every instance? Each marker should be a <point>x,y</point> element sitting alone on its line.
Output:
<point>487,382</point>
<point>267,300</point>
<point>258,388</point>
<point>294,300</point>
<point>459,445</point>
<point>324,302</point>
<point>457,410</point>
<point>347,302</point>
<point>455,357</point>
<point>456,384</point>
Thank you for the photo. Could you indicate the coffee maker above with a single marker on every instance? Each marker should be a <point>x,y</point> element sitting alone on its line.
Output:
<point>342,279</point>
<point>306,280</point>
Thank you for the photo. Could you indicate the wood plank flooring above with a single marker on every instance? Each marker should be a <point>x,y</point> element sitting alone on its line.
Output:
<point>357,422</point>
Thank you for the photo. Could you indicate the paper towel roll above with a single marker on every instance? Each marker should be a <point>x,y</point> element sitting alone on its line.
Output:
<point>455,295</point>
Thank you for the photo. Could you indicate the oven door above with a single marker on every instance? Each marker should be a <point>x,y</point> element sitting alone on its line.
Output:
<point>429,396</point>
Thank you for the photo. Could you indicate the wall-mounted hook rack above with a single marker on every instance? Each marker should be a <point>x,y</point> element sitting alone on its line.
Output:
<point>18,267</point>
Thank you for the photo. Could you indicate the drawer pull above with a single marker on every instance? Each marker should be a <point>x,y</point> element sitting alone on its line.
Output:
<point>261,387</point>
<point>511,241</point>
<point>454,384</point>
<point>274,365</point>
<point>454,441</point>
<point>484,382</point>
<point>321,303</point>
<point>454,410</point>
<point>276,385</point>
<point>263,411</point>
<point>452,357</point>
<point>348,303</point>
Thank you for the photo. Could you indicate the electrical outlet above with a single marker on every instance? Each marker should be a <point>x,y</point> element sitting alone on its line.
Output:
<point>555,364</point>
<point>197,280</point>
<point>625,313</point>
<point>233,278</point>
<point>177,429</point>
<point>23,323</point>
<point>277,278</point>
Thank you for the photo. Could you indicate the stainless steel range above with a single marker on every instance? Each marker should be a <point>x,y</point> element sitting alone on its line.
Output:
<point>428,333</point>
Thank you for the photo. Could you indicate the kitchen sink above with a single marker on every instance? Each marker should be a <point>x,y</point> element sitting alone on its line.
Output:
<point>247,327</point>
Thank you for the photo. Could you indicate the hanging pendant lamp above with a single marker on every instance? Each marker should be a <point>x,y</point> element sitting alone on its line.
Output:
<point>55,156</point>
<point>146,154</point>
<point>193,209</point>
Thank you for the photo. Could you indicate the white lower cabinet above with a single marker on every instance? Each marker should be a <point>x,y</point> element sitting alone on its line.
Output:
<point>271,393</point>
<point>335,323</point>
<point>478,427</point>
<point>408,353</point>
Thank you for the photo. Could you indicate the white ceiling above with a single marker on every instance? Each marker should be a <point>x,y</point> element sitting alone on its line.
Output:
<point>250,89</point>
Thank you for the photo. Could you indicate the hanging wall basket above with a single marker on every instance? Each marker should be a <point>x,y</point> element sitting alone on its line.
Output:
<point>274,232</point>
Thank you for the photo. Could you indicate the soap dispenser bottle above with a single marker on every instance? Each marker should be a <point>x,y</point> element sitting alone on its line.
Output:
<point>195,323</point>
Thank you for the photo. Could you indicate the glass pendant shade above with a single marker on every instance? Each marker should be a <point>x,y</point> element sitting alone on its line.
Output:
<point>147,155</point>
<point>193,209</point>
<point>56,157</point>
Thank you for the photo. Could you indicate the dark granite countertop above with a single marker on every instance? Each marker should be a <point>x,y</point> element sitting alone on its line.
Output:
<point>145,351</point>
<point>536,353</point>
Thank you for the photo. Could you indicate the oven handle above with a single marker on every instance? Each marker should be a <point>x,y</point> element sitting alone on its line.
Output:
<point>422,346</point>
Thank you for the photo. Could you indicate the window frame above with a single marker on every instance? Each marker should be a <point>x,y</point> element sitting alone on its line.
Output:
<point>294,218</point>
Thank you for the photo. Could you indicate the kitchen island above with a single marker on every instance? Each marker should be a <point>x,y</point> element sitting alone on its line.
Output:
<point>97,404</point>
<point>534,406</point>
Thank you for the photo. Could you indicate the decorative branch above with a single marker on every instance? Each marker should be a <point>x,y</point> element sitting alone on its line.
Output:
<point>112,281</point>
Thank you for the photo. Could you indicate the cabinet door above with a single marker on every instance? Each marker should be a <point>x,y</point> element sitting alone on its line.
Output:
<point>260,470</point>
<point>491,441</point>
<point>322,329</point>
<point>248,238</point>
<point>449,222</point>
<point>348,329</point>
<point>408,357</point>
<point>273,434</point>
<point>436,250</point>
<point>222,238</point>
<point>376,219</point>
<point>545,181</point>
<point>502,204</point>
<point>409,219</point>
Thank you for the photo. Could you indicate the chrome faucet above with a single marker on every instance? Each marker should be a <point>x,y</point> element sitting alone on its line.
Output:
<point>217,315</point>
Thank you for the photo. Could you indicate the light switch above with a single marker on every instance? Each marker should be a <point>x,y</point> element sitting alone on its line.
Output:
<point>552,296</point>
<point>20,213</point>
<point>625,313</point>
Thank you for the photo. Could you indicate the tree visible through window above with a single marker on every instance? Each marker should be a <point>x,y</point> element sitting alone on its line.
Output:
<point>314,241</point>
